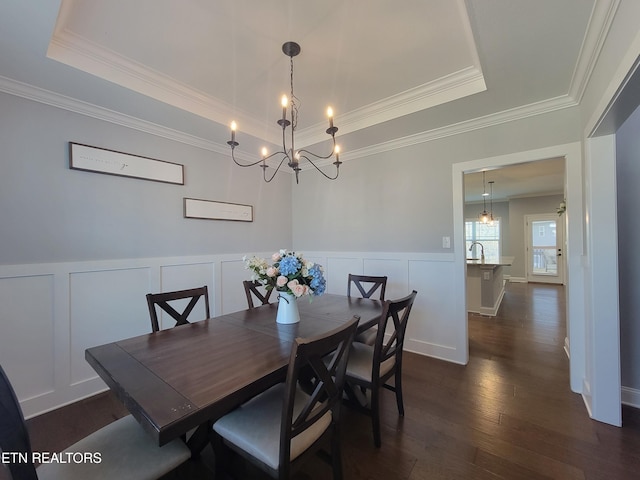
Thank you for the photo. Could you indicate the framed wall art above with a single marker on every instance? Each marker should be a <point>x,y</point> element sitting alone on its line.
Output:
<point>101,160</point>
<point>212,210</point>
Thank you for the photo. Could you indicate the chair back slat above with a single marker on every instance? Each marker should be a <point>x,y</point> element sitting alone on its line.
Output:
<point>367,285</point>
<point>162,301</point>
<point>398,311</point>
<point>251,289</point>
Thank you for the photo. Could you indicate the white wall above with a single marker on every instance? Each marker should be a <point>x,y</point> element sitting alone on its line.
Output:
<point>628,179</point>
<point>52,312</point>
<point>620,51</point>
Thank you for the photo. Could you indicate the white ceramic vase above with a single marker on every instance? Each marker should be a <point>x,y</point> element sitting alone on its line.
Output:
<point>287,308</point>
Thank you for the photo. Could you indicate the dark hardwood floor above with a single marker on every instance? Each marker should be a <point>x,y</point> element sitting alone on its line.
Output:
<point>508,414</point>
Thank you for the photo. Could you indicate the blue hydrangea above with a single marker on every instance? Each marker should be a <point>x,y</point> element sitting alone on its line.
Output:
<point>289,265</point>
<point>318,283</point>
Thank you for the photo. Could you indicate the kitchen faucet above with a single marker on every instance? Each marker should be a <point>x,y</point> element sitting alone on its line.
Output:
<point>481,249</point>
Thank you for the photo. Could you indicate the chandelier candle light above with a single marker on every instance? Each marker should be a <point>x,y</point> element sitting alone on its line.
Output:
<point>291,155</point>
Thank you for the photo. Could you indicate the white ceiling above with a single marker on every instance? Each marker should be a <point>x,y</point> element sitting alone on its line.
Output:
<point>390,70</point>
<point>372,60</point>
<point>542,177</point>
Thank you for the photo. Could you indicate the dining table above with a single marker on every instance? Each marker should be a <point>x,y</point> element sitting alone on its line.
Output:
<point>183,378</point>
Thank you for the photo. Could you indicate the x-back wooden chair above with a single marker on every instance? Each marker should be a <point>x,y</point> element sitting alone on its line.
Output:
<point>252,289</point>
<point>370,367</point>
<point>162,300</point>
<point>367,286</point>
<point>280,428</point>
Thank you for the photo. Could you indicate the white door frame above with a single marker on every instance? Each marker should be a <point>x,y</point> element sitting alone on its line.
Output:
<point>559,278</point>
<point>574,228</point>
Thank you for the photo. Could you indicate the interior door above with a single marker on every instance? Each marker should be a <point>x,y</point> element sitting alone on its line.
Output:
<point>545,242</point>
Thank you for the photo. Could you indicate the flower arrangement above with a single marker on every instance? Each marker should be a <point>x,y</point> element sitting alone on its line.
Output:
<point>289,272</point>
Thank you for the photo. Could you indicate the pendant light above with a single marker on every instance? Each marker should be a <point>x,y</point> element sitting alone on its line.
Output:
<point>484,216</point>
<point>491,202</point>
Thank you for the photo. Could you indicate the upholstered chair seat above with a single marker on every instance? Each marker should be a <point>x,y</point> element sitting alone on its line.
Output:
<point>255,426</point>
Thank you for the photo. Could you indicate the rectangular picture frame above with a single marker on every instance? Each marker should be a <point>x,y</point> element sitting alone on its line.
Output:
<point>214,210</point>
<point>111,162</point>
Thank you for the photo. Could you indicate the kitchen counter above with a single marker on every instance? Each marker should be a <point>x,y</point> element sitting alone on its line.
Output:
<point>503,261</point>
<point>485,284</point>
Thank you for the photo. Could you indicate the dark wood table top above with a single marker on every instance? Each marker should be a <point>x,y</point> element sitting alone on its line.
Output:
<point>177,379</point>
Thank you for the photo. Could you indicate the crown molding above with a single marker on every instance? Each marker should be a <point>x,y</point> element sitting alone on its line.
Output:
<point>600,22</point>
<point>446,89</point>
<point>514,114</point>
<point>63,102</point>
<point>46,97</point>
<point>75,50</point>
<point>79,52</point>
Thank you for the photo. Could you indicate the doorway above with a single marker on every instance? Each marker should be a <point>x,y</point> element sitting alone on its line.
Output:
<point>544,246</point>
<point>575,311</point>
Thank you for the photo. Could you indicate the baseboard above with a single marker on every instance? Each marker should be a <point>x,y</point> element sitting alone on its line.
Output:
<point>489,311</point>
<point>517,279</point>
<point>630,397</point>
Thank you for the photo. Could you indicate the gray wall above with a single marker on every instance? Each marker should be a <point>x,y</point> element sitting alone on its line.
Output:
<point>628,179</point>
<point>402,200</point>
<point>50,213</point>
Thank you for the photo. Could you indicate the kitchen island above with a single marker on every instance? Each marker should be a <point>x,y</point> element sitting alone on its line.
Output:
<point>485,284</point>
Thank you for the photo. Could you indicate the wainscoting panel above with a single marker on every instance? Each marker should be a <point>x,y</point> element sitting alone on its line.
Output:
<point>105,306</point>
<point>396,271</point>
<point>53,312</point>
<point>337,270</point>
<point>431,330</point>
<point>234,273</point>
<point>27,338</point>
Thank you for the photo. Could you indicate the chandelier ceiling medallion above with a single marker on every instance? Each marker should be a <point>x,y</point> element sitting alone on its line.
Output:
<point>289,153</point>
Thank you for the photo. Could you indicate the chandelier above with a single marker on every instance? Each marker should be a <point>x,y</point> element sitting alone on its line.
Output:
<point>289,153</point>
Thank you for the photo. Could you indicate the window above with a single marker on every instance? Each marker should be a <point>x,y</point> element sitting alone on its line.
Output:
<point>486,233</point>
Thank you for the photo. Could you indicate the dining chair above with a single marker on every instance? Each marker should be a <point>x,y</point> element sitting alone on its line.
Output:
<point>282,427</point>
<point>121,449</point>
<point>370,367</point>
<point>253,289</point>
<point>367,286</point>
<point>162,300</point>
